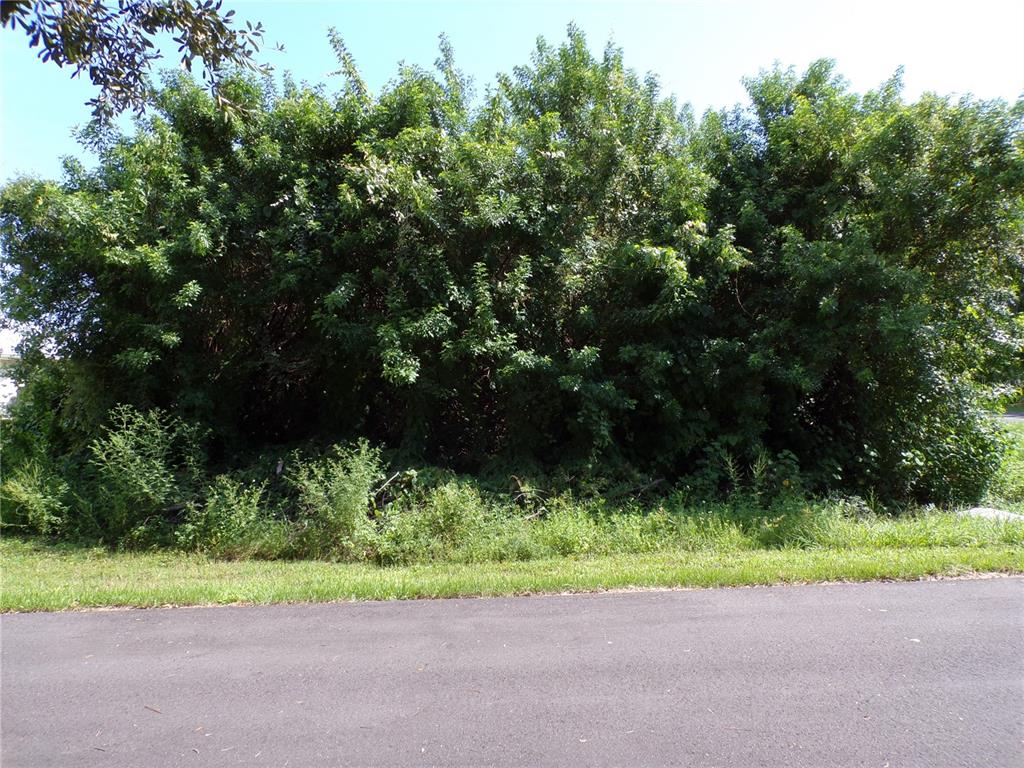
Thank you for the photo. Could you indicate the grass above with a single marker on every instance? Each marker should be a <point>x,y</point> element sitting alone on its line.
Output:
<point>43,576</point>
<point>568,551</point>
<point>1007,491</point>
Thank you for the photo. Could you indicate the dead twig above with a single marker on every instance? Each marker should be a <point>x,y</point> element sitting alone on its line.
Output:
<point>387,483</point>
<point>638,490</point>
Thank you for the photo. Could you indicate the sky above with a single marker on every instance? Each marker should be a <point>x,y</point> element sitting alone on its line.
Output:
<point>699,49</point>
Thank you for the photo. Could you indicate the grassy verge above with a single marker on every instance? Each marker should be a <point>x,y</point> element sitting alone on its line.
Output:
<point>703,547</point>
<point>46,577</point>
<point>1007,491</point>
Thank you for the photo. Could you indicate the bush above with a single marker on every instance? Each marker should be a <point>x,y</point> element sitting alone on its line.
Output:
<point>232,522</point>
<point>35,499</point>
<point>570,528</point>
<point>505,536</point>
<point>334,497</point>
<point>710,527</point>
<point>637,530</point>
<point>1008,485</point>
<point>947,452</point>
<point>144,465</point>
<point>434,524</point>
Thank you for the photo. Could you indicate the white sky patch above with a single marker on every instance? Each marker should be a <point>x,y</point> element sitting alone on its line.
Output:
<point>8,341</point>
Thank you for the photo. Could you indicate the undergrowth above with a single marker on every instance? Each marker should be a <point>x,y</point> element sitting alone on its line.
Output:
<point>345,505</point>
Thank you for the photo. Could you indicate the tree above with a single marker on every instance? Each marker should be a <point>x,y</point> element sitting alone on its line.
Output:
<point>886,264</point>
<point>114,42</point>
<point>569,277</point>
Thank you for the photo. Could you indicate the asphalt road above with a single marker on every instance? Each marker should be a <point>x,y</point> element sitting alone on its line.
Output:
<point>919,674</point>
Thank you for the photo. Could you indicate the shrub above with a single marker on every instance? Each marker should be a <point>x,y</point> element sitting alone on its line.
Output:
<point>334,496</point>
<point>637,530</point>
<point>433,524</point>
<point>949,452</point>
<point>788,522</point>
<point>34,498</point>
<point>505,537</point>
<point>145,464</point>
<point>570,528</point>
<point>710,527</point>
<point>1008,485</point>
<point>232,522</point>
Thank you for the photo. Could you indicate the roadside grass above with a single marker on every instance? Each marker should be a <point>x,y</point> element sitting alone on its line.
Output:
<point>571,550</point>
<point>1007,490</point>
<point>43,576</point>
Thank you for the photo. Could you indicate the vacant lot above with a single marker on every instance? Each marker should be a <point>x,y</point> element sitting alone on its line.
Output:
<point>717,546</point>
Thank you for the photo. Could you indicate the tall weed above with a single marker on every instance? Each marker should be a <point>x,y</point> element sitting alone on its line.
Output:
<point>434,524</point>
<point>334,496</point>
<point>144,464</point>
<point>232,522</point>
<point>34,498</point>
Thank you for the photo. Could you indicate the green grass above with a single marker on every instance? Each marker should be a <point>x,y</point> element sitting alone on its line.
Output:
<point>1007,491</point>
<point>42,576</point>
<point>568,551</point>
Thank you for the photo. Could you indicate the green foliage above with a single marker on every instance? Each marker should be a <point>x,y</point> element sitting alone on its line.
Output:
<point>570,529</point>
<point>1007,488</point>
<point>334,497</point>
<point>232,522</point>
<point>114,43</point>
<point>711,527</point>
<point>812,293</point>
<point>434,524</point>
<point>830,527</point>
<point>34,498</point>
<point>143,465</point>
<point>882,289</point>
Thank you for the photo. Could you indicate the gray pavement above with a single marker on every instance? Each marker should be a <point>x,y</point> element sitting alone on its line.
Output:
<point>913,674</point>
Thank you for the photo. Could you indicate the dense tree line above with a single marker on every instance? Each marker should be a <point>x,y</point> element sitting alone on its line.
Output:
<point>568,276</point>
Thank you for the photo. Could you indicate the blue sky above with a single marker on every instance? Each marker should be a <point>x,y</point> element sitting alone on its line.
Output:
<point>699,49</point>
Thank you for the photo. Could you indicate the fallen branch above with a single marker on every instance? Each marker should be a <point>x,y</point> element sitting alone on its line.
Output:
<point>386,484</point>
<point>638,490</point>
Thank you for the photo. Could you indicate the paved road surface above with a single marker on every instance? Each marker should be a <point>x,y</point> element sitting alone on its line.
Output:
<point>919,674</point>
